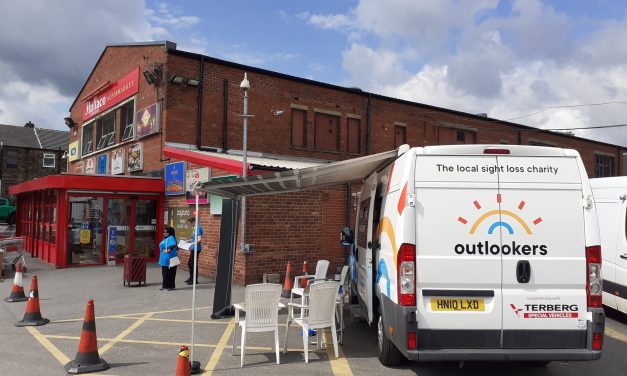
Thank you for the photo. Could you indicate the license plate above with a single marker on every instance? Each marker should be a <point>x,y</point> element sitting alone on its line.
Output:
<point>457,304</point>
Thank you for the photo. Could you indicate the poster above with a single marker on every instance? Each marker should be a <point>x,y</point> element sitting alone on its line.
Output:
<point>147,121</point>
<point>191,177</point>
<point>78,167</point>
<point>73,155</point>
<point>85,236</point>
<point>117,162</point>
<point>103,164</point>
<point>90,166</point>
<point>175,179</point>
<point>135,157</point>
<point>178,218</point>
<point>112,247</point>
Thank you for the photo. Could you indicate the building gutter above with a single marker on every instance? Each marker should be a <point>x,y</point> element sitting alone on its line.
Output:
<point>200,103</point>
<point>225,106</point>
<point>368,125</point>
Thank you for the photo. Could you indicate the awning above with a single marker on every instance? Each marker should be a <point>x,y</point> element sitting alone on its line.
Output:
<point>305,178</point>
<point>256,163</point>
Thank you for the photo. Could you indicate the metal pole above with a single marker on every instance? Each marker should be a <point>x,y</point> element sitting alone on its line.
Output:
<point>244,168</point>
<point>195,277</point>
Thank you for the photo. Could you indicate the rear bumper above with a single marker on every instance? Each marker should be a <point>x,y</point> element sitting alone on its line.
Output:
<point>477,345</point>
<point>502,354</point>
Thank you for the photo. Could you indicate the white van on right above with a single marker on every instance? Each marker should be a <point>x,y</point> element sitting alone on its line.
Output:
<point>610,196</point>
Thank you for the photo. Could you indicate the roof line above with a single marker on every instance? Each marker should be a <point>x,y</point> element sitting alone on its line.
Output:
<point>37,137</point>
<point>167,44</point>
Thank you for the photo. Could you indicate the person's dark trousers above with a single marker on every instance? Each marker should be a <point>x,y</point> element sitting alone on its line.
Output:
<point>164,277</point>
<point>170,277</point>
<point>190,267</point>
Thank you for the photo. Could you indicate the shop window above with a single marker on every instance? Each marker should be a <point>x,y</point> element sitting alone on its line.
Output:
<point>353,135</point>
<point>88,138</point>
<point>127,124</point>
<point>105,131</point>
<point>603,165</point>
<point>326,132</point>
<point>299,128</point>
<point>12,161</point>
<point>400,135</point>
<point>49,160</point>
<point>540,143</point>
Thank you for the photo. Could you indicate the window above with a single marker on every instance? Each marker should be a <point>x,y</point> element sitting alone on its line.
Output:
<point>127,123</point>
<point>49,160</point>
<point>88,138</point>
<point>3,202</point>
<point>541,143</point>
<point>12,161</point>
<point>461,136</point>
<point>400,135</point>
<point>326,132</point>
<point>105,133</point>
<point>299,128</point>
<point>603,165</point>
<point>353,135</point>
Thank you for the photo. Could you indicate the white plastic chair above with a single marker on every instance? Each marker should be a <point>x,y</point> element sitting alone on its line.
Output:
<point>339,314</point>
<point>262,314</point>
<point>320,314</point>
<point>321,274</point>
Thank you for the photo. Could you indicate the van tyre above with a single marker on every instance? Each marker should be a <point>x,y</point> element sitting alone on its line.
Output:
<point>388,354</point>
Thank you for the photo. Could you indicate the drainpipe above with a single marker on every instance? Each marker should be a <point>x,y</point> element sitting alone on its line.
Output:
<point>368,109</point>
<point>225,106</point>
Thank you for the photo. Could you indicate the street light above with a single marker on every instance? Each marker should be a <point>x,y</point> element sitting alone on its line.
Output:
<point>245,86</point>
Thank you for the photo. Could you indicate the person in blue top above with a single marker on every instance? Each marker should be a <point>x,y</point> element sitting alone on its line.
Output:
<point>168,249</point>
<point>196,245</point>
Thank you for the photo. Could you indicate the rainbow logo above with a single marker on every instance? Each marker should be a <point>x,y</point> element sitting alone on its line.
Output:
<point>500,218</point>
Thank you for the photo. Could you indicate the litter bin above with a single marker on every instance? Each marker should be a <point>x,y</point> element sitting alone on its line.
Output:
<point>134,269</point>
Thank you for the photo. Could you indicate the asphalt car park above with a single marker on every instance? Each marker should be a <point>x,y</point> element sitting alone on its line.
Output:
<point>140,331</point>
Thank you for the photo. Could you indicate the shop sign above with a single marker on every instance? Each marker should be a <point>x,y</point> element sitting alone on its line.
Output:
<point>112,95</point>
<point>90,166</point>
<point>117,161</point>
<point>175,179</point>
<point>73,155</point>
<point>200,175</point>
<point>147,121</point>
<point>135,157</point>
<point>103,164</point>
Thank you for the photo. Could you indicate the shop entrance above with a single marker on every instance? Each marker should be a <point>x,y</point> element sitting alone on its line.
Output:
<point>107,227</point>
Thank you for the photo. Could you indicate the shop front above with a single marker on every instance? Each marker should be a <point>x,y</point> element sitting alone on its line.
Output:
<point>78,220</point>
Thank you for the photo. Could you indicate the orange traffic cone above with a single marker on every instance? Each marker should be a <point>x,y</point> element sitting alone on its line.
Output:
<point>287,284</point>
<point>303,282</point>
<point>87,357</point>
<point>17,290</point>
<point>32,317</point>
<point>182,367</point>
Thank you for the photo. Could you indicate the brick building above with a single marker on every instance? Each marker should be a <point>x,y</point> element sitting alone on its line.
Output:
<point>28,153</point>
<point>153,105</point>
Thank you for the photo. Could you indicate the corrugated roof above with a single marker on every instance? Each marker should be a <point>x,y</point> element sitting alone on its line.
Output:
<point>22,137</point>
<point>259,161</point>
<point>53,139</point>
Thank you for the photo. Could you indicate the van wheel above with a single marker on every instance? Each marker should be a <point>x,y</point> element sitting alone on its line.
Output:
<point>388,354</point>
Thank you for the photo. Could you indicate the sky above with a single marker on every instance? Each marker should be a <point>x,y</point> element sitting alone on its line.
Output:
<point>552,64</point>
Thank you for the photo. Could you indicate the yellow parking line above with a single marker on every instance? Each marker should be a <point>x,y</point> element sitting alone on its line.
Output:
<point>126,332</point>
<point>615,334</point>
<point>215,356</point>
<point>128,315</point>
<point>48,345</point>
<point>339,365</point>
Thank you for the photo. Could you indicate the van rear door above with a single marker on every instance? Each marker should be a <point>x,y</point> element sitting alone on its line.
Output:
<point>544,251</point>
<point>458,279</point>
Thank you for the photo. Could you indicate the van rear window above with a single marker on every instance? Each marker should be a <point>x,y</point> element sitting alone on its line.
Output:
<point>362,227</point>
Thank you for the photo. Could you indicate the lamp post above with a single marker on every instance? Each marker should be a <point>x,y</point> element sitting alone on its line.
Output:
<point>245,85</point>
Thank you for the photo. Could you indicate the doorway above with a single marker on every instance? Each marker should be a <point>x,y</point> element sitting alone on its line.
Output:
<point>108,227</point>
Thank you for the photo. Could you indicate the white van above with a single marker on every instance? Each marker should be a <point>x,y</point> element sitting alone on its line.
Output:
<point>480,252</point>
<point>610,196</point>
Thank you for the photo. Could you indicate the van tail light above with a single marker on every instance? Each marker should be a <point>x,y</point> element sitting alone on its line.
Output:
<point>411,340</point>
<point>406,260</point>
<point>594,281</point>
<point>597,341</point>
<point>495,151</point>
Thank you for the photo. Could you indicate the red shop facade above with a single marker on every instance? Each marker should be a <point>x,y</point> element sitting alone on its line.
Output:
<point>79,220</point>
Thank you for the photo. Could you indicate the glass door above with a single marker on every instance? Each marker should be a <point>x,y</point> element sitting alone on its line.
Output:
<point>84,230</point>
<point>118,228</point>
<point>145,228</point>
